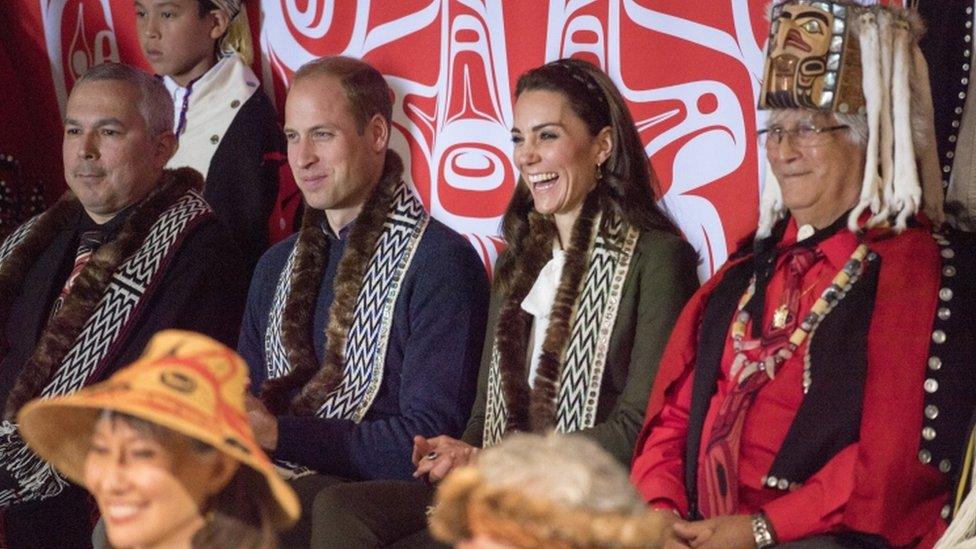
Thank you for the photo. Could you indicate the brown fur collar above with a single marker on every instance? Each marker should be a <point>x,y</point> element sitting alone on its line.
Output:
<point>535,410</point>
<point>316,383</point>
<point>63,328</point>
<point>22,257</point>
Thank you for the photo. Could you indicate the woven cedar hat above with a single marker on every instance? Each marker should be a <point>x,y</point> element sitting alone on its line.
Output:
<point>848,58</point>
<point>186,382</point>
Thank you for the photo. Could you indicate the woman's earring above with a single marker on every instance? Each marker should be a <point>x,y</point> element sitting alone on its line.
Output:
<point>599,172</point>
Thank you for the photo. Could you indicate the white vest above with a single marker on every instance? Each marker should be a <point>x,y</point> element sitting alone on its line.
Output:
<point>206,108</point>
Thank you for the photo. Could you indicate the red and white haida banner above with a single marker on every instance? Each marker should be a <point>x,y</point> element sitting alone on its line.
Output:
<point>689,70</point>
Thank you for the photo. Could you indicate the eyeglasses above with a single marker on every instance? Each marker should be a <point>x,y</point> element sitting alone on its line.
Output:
<point>804,135</point>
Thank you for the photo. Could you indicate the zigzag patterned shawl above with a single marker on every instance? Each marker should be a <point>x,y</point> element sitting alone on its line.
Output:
<point>365,348</point>
<point>584,356</point>
<point>134,280</point>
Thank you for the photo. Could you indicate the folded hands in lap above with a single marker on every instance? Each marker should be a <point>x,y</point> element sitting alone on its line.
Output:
<point>436,457</point>
<point>729,532</point>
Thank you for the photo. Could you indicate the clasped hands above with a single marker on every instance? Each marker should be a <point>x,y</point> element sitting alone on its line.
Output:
<point>436,457</point>
<point>729,532</point>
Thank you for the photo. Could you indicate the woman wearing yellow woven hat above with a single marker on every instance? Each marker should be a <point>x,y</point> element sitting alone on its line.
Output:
<point>165,448</point>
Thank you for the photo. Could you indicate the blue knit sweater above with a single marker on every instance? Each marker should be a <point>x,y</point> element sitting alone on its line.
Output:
<point>431,367</point>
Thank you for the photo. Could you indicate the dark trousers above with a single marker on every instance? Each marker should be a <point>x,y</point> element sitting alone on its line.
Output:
<point>387,513</point>
<point>306,488</point>
<point>848,540</point>
<point>62,521</point>
<point>382,513</point>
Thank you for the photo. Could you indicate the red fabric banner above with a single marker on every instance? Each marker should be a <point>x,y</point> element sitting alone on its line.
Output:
<point>689,70</point>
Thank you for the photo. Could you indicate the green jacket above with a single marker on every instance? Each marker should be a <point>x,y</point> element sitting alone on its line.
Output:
<point>660,280</point>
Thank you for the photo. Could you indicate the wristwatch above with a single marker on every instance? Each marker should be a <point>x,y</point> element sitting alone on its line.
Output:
<point>762,531</point>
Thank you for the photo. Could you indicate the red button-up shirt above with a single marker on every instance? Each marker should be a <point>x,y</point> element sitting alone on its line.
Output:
<point>818,505</point>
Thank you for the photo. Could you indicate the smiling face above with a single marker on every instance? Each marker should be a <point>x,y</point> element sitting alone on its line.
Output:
<point>110,158</point>
<point>176,40</point>
<point>821,182</point>
<point>556,153</point>
<point>150,491</point>
<point>336,164</point>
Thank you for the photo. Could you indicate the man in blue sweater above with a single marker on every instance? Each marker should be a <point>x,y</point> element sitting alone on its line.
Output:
<point>364,329</point>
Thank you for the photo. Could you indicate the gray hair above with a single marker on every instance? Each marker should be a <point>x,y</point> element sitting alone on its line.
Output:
<point>155,104</point>
<point>570,470</point>
<point>857,123</point>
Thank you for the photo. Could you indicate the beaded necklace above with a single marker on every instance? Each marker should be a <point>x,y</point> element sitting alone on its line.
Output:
<point>743,367</point>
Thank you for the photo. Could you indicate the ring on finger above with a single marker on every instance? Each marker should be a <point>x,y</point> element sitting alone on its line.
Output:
<point>431,456</point>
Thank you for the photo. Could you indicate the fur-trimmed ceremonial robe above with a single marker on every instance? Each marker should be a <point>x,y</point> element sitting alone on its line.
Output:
<point>175,266</point>
<point>635,295</point>
<point>659,280</point>
<point>418,340</point>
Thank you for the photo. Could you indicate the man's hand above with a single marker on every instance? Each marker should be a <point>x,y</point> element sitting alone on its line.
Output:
<point>263,423</point>
<point>668,539</point>
<point>436,457</point>
<point>731,532</point>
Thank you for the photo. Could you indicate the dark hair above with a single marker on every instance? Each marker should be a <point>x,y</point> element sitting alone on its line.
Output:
<point>365,87</point>
<point>235,517</point>
<point>628,183</point>
<point>205,6</point>
<point>235,520</point>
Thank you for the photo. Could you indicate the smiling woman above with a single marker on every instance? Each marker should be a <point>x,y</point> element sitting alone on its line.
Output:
<point>151,482</point>
<point>165,449</point>
<point>583,300</point>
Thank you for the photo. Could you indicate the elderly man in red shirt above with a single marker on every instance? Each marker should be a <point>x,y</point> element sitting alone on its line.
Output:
<point>816,390</point>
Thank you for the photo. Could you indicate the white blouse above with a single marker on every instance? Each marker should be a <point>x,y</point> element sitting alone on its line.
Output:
<point>539,303</point>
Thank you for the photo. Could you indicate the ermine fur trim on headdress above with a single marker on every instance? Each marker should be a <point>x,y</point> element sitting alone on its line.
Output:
<point>887,136</point>
<point>901,165</point>
<point>907,193</point>
<point>873,100</point>
<point>923,133</point>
